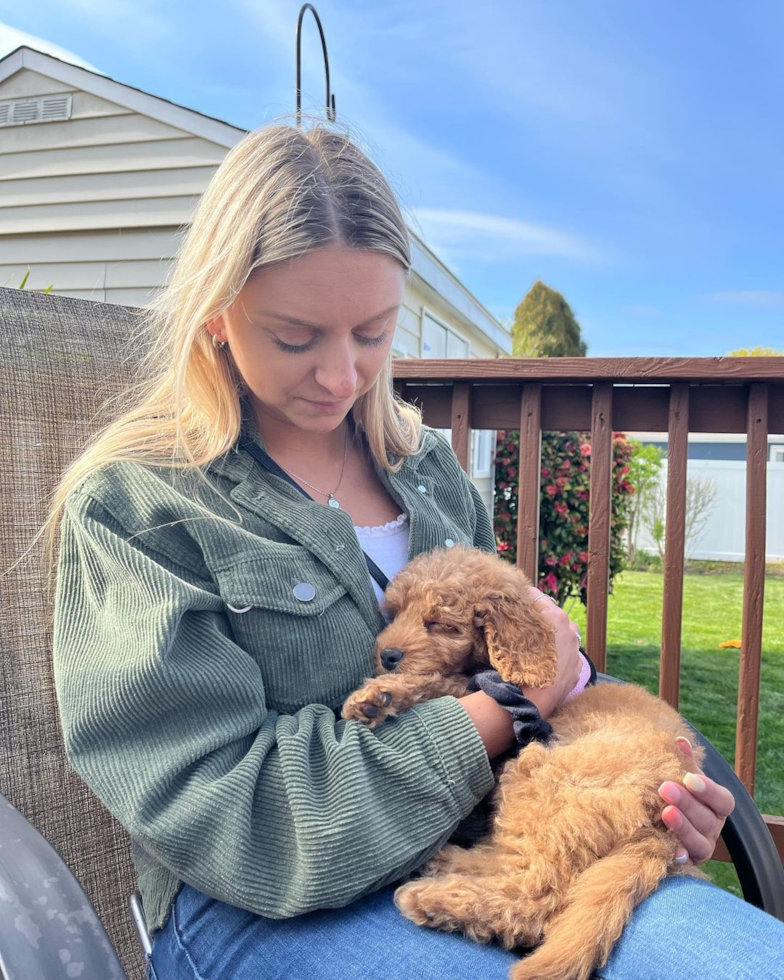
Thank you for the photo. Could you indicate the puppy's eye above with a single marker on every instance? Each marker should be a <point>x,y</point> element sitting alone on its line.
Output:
<point>434,626</point>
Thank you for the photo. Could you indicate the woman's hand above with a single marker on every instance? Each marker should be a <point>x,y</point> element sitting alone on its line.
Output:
<point>567,644</point>
<point>697,811</point>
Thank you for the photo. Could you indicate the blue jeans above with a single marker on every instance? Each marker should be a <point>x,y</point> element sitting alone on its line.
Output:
<point>687,930</point>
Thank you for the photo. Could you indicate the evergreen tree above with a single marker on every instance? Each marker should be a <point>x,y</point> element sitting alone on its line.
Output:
<point>544,326</point>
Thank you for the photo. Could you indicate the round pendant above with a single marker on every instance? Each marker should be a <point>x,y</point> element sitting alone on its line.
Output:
<point>334,503</point>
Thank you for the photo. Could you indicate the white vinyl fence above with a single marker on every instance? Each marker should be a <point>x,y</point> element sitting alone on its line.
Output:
<point>723,536</point>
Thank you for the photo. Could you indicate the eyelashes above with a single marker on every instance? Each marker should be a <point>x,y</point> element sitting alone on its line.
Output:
<point>302,348</point>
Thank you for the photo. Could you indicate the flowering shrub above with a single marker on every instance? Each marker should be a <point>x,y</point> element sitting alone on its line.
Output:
<point>564,502</point>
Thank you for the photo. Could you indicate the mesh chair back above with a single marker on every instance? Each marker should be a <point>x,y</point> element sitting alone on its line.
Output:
<point>61,359</point>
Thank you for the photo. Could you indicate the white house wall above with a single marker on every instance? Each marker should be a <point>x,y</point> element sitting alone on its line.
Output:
<point>94,205</point>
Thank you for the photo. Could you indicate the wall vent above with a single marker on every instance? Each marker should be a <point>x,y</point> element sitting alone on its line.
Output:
<point>47,108</point>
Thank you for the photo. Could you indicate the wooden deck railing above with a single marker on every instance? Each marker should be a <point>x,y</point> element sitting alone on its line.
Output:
<point>601,395</point>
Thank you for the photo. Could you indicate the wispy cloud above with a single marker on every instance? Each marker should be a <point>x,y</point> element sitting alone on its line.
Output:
<point>12,38</point>
<point>771,298</point>
<point>492,238</point>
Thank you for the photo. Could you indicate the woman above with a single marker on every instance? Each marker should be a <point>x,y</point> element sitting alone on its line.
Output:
<point>211,618</point>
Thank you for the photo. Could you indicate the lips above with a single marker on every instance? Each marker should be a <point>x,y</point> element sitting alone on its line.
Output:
<point>327,406</point>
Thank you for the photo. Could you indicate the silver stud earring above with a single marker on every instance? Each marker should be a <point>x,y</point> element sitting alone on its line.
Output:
<point>218,344</point>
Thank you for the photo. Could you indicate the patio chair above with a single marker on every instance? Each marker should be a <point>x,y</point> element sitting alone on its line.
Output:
<point>63,358</point>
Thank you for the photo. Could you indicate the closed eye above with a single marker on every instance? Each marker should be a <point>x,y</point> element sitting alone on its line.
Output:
<point>301,348</point>
<point>434,626</point>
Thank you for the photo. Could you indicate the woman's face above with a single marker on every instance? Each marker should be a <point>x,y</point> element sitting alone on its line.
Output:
<point>310,335</point>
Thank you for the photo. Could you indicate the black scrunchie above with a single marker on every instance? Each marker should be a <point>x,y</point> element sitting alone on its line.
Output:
<point>529,726</point>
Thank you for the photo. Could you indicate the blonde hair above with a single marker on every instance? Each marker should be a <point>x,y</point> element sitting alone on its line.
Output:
<point>279,193</point>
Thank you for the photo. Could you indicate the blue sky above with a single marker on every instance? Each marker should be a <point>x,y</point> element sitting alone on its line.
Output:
<point>628,153</point>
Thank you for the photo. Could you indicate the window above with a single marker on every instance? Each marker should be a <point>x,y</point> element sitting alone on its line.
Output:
<point>439,341</point>
<point>482,454</point>
<point>777,454</point>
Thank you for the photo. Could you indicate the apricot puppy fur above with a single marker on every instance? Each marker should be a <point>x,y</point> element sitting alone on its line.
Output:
<point>577,840</point>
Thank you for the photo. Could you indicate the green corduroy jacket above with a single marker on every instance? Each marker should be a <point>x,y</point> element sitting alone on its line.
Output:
<point>212,734</point>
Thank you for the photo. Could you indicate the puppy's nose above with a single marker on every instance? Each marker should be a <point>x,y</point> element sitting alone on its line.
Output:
<point>391,657</point>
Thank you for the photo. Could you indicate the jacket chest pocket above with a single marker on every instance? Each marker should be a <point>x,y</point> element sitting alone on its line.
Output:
<point>294,616</point>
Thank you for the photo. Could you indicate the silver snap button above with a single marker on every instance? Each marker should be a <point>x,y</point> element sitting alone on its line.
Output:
<point>449,542</point>
<point>421,488</point>
<point>304,591</point>
<point>236,610</point>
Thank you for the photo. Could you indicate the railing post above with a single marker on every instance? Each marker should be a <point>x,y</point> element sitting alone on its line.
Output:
<point>675,543</point>
<point>599,522</point>
<point>753,585</point>
<point>461,430</point>
<point>529,480</point>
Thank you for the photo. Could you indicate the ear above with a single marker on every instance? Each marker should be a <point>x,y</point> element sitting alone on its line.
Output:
<point>520,642</point>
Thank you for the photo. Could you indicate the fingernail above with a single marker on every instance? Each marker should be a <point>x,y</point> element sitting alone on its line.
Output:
<point>693,782</point>
<point>670,793</point>
<point>672,818</point>
<point>681,858</point>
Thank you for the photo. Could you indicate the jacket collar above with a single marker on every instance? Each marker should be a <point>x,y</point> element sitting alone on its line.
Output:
<point>327,533</point>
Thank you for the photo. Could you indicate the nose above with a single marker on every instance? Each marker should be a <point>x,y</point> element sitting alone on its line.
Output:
<point>337,372</point>
<point>391,657</point>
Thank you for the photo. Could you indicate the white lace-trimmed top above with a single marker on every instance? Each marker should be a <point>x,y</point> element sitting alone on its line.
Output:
<point>387,545</point>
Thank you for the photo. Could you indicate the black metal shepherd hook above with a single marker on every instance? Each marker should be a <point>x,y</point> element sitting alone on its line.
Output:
<point>331,113</point>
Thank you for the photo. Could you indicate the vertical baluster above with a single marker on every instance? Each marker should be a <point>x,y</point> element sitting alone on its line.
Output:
<point>675,540</point>
<point>528,476</point>
<point>753,584</point>
<point>461,430</point>
<point>599,522</point>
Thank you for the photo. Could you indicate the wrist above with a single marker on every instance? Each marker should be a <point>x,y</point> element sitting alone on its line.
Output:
<point>546,699</point>
<point>494,724</point>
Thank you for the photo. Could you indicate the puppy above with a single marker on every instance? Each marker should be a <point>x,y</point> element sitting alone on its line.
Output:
<point>577,840</point>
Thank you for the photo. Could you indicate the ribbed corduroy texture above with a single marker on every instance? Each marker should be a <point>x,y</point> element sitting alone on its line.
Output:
<point>212,735</point>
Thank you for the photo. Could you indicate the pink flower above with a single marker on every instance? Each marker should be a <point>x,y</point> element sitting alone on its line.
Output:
<point>550,489</point>
<point>550,560</point>
<point>585,449</point>
<point>565,559</point>
<point>545,471</point>
<point>567,463</point>
<point>549,583</point>
<point>583,556</point>
<point>561,509</point>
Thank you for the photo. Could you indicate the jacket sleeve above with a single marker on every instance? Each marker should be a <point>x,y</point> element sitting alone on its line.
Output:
<point>484,535</point>
<point>164,717</point>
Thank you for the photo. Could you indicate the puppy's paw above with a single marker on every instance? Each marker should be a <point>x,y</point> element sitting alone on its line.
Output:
<point>412,900</point>
<point>369,705</point>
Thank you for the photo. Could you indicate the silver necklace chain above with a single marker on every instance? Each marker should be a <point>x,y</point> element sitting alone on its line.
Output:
<point>330,496</point>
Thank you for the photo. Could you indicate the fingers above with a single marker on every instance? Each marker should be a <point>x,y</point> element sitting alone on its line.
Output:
<point>697,846</point>
<point>716,797</point>
<point>697,810</point>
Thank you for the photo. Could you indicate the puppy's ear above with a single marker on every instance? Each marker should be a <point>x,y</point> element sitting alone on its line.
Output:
<point>520,642</point>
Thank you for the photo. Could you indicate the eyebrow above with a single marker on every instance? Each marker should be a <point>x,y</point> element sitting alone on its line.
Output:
<point>317,326</point>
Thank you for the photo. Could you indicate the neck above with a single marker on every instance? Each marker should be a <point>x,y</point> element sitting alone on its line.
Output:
<point>301,451</point>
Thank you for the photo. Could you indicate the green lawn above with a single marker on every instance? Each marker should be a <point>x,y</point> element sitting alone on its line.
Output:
<point>712,610</point>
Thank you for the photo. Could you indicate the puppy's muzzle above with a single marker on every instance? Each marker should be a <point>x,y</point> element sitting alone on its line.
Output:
<point>390,658</point>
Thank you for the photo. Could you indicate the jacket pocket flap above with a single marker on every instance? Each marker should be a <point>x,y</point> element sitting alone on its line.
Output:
<point>297,583</point>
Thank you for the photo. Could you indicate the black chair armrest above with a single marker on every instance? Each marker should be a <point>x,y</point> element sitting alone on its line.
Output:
<point>47,922</point>
<point>748,840</point>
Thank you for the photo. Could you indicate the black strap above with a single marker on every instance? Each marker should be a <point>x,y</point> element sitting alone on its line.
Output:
<point>269,464</point>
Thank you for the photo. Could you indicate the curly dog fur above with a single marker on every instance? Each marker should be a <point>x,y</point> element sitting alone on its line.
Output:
<point>577,839</point>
